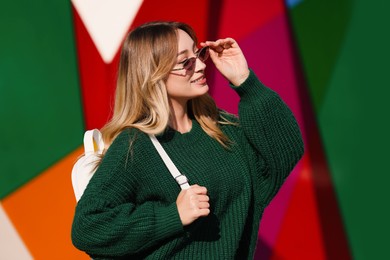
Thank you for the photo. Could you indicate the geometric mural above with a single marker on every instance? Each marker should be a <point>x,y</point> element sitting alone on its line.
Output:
<point>327,59</point>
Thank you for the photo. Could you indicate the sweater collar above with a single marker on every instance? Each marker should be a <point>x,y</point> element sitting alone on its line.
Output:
<point>173,136</point>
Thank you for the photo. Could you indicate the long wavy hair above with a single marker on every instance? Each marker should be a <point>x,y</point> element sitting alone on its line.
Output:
<point>141,101</point>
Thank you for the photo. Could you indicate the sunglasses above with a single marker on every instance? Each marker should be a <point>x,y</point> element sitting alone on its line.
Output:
<point>189,64</point>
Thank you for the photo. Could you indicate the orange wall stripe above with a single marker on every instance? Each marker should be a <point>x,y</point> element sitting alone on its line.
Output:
<point>11,245</point>
<point>42,212</point>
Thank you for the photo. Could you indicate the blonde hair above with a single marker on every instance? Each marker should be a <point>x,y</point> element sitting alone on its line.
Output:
<point>141,100</point>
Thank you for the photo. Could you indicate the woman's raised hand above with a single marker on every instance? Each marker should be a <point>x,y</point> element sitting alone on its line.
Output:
<point>192,203</point>
<point>229,59</point>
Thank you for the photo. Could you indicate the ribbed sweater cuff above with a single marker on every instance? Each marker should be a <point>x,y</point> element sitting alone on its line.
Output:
<point>168,221</point>
<point>252,86</point>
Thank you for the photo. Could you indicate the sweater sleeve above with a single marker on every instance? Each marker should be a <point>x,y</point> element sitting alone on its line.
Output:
<point>272,131</point>
<point>108,223</point>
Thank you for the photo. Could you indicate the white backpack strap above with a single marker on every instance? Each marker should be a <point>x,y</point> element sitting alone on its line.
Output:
<point>84,167</point>
<point>180,178</point>
<point>93,142</point>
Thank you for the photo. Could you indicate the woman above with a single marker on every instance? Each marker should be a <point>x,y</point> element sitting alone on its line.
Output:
<point>132,207</point>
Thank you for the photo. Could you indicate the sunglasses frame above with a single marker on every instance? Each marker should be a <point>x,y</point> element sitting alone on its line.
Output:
<point>189,64</point>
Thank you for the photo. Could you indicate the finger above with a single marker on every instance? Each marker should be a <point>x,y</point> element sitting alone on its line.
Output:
<point>217,48</point>
<point>231,41</point>
<point>216,57</point>
<point>194,197</point>
<point>214,45</point>
<point>203,198</point>
<point>218,42</point>
<point>209,43</point>
<point>194,186</point>
<point>204,212</point>
<point>199,190</point>
<point>225,43</point>
<point>203,205</point>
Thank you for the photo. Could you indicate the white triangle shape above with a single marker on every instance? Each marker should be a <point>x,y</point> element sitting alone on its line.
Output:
<point>11,245</point>
<point>107,22</point>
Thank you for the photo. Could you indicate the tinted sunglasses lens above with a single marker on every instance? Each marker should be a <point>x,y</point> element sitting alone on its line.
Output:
<point>189,64</point>
<point>204,54</point>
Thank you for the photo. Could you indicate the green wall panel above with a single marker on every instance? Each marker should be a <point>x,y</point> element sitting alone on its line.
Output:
<point>355,124</point>
<point>344,48</point>
<point>320,27</point>
<point>40,106</point>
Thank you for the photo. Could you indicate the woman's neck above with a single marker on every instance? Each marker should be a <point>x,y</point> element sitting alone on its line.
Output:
<point>180,121</point>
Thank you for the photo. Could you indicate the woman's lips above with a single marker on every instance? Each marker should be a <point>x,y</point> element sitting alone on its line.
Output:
<point>201,80</point>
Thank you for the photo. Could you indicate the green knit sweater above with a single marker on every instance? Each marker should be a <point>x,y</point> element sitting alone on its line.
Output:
<point>128,210</point>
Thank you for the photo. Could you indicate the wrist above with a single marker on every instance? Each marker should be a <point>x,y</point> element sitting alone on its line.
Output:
<point>237,81</point>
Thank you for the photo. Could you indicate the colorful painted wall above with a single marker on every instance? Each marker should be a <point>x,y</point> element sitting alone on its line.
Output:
<point>328,59</point>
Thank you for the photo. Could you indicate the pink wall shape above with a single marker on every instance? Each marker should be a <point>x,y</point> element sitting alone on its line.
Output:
<point>269,54</point>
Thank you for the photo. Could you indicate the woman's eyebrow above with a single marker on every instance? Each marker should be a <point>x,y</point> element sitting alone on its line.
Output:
<point>182,52</point>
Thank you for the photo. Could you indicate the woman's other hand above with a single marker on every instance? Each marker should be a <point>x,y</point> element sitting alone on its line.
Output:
<point>229,59</point>
<point>192,203</point>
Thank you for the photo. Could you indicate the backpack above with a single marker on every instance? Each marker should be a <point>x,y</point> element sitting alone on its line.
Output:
<point>85,166</point>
